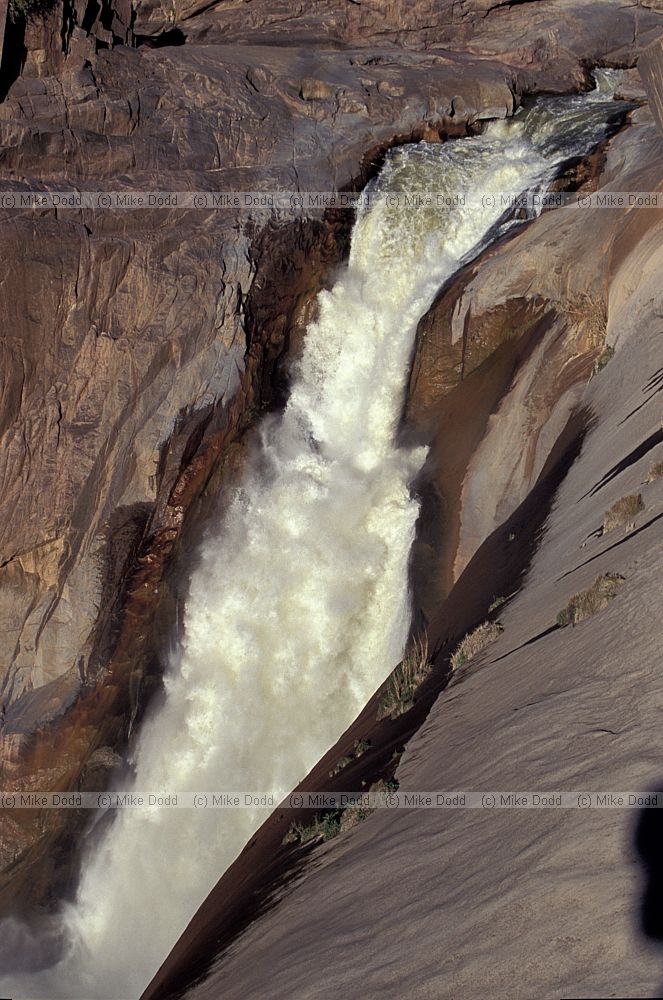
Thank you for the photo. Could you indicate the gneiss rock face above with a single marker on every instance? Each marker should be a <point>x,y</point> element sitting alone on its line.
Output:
<point>127,379</point>
<point>126,369</point>
<point>510,901</point>
<point>650,65</point>
<point>105,310</point>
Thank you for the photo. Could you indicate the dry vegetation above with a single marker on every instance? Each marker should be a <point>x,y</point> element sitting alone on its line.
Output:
<point>622,512</point>
<point>339,820</point>
<point>589,602</point>
<point>359,748</point>
<point>606,354</point>
<point>655,472</point>
<point>590,313</point>
<point>474,642</point>
<point>398,696</point>
<point>324,828</point>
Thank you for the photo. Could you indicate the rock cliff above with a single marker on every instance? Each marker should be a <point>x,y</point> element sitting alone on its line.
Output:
<point>138,347</point>
<point>529,406</point>
<point>139,344</point>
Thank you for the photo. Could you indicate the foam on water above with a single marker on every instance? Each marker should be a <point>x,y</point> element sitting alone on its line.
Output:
<point>299,606</point>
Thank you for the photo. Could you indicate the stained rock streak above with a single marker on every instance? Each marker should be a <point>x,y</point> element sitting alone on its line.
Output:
<point>299,607</point>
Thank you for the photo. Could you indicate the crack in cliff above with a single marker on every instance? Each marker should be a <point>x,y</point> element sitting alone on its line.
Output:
<point>634,456</point>
<point>169,38</point>
<point>507,4</point>
<point>615,545</point>
<point>14,54</point>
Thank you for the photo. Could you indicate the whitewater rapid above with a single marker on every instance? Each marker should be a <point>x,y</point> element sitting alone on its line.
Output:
<point>299,606</point>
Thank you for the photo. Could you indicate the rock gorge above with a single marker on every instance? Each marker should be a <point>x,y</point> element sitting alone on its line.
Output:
<point>547,707</point>
<point>139,349</point>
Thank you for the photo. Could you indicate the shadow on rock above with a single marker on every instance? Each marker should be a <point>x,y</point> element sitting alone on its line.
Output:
<point>649,846</point>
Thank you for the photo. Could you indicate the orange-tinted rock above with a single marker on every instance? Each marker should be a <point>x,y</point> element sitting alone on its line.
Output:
<point>139,345</point>
<point>543,707</point>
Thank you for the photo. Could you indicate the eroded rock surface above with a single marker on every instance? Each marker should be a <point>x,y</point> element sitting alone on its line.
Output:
<point>139,345</point>
<point>441,902</point>
<point>525,299</point>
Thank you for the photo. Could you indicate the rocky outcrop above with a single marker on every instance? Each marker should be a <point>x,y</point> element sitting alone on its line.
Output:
<point>124,320</point>
<point>546,708</point>
<point>140,345</point>
<point>650,66</point>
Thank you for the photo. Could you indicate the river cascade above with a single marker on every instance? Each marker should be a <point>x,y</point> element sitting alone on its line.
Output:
<point>299,606</point>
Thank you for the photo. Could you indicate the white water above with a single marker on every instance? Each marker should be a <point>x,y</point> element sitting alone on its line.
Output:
<point>299,608</point>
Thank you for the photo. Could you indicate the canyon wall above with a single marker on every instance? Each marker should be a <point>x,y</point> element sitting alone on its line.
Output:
<point>505,902</point>
<point>140,346</point>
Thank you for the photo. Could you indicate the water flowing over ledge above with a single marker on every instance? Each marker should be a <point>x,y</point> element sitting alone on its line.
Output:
<point>299,607</point>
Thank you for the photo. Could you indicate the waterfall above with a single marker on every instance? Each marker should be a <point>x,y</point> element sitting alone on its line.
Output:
<point>299,607</point>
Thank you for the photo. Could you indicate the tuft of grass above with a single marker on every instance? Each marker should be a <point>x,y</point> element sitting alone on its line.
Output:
<point>589,602</point>
<point>341,763</point>
<point>655,472</point>
<point>360,747</point>
<point>331,825</point>
<point>325,828</point>
<point>606,355</point>
<point>590,313</point>
<point>623,511</point>
<point>474,642</point>
<point>496,603</point>
<point>398,696</point>
<point>339,820</point>
<point>352,816</point>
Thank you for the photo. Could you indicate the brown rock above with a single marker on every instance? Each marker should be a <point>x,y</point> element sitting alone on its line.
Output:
<point>139,345</point>
<point>650,67</point>
<point>545,706</point>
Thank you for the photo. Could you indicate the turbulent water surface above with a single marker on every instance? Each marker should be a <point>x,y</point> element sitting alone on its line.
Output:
<point>299,608</point>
